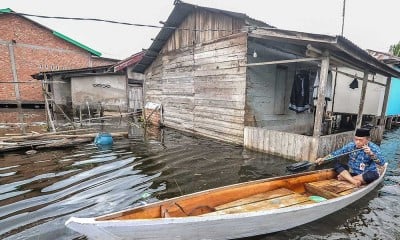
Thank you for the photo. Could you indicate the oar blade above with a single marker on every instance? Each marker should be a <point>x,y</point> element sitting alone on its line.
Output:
<point>300,166</point>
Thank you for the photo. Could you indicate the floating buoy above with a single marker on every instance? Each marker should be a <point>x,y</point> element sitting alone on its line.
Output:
<point>103,139</point>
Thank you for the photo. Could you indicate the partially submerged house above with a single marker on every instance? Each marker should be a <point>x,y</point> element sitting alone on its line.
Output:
<point>27,47</point>
<point>111,87</point>
<point>393,106</point>
<point>227,76</point>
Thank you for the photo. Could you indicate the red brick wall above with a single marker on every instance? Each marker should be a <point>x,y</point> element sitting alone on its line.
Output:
<point>12,116</point>
<point>101,62</point>
<point>36,49</point>
<point>10,121</point>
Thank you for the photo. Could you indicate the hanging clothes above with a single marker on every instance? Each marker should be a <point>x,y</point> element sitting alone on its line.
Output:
<point>328,89</point>
<point>299,98</point>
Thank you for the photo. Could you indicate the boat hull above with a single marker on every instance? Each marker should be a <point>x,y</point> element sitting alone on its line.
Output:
<point>225,226</point>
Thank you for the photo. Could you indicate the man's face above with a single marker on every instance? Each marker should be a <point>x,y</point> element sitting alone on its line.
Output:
<point>360,141</point>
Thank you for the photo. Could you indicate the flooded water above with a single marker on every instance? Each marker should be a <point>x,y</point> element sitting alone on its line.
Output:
<point>39,192</point>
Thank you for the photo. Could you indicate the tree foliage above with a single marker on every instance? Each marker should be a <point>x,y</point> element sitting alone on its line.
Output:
<point>395,49</point>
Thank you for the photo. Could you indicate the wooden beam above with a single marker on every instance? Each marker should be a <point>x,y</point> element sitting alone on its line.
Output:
<point>385,101</point>
<point>362,99</point>
<point>281,61</point>
<point>315,52</point>
<point>319,114</point>
<point>354,76</point>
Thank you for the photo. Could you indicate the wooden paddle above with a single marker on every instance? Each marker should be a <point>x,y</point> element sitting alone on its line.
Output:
<point>301,166</point>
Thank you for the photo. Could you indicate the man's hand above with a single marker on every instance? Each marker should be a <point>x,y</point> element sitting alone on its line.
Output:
<point>367,150</point>
<point>319,161</point>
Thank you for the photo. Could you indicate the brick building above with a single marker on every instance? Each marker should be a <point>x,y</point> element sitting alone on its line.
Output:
<point>26,48</point>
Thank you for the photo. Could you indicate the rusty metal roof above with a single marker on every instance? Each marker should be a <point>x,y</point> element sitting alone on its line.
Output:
<point>384,57</point>
<point>129,61</point>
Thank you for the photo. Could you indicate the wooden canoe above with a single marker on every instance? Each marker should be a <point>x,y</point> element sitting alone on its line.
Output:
<point>234,211</point>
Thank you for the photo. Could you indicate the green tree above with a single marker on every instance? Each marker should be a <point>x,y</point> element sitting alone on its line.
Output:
<point>395,49</point>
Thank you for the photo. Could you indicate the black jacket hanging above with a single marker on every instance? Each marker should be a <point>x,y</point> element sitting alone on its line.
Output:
<point>354,84</point>
<point>299,98</point>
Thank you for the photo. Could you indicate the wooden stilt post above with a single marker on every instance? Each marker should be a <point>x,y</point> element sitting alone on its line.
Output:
<point>362,99</point>
<point>80,114</point>
<point>44,88</point>
<point>389,122</point>
<point>321,95</point>
<point>385,101</point>
<point>88,108</point>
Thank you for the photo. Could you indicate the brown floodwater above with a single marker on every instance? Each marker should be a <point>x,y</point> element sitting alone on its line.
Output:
<point>39,192</point>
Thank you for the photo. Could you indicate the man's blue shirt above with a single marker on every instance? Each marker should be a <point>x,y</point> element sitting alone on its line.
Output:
<point>359,161</point>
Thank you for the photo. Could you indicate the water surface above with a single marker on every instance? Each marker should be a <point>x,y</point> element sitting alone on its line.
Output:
<point>39,192</point>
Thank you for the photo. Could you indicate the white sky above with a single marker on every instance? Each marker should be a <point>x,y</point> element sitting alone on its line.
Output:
<point>370,24</point>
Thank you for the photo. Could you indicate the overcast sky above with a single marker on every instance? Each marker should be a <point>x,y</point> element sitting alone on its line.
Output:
<point>370,24</point>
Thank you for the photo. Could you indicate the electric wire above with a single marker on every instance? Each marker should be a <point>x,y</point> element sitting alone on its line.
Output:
<point>122,23</point>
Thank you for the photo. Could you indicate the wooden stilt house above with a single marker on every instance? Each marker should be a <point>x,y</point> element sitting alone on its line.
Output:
<point>230,77</point>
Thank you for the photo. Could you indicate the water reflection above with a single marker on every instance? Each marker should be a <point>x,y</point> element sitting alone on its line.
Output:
<point>40,192</point>
<point>21,121</point>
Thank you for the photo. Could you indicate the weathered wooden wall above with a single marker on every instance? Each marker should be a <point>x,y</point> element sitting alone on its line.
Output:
<point>220,85</point>
<point>200,27</point>
<point>201,86</point>
<point>293,146</point>
<point>135,97</point>
<point>329,143</point>
<point>288,145</point>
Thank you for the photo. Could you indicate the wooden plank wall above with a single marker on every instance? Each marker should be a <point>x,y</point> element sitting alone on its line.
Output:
<point>287,145</point>
<point>201,86</point>
<point>199,27</point>
<point>293,146</point>
<point>220,86</point>
<point>329,143</point>
<point>178,89</point>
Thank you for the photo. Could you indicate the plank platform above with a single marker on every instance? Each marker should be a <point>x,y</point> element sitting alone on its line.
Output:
<point>330,188</point>
<point>256,198</point>
<point>278,198</point>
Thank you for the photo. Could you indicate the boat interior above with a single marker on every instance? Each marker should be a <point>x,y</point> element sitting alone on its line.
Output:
<point>280,192</point>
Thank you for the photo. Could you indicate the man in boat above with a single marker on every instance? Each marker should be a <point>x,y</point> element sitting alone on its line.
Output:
<point>362,165</point>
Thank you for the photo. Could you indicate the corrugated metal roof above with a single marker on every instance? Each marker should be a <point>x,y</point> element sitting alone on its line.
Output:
<point>338,46</point>
<point>342,47</point>
<point>178,14</point>
<point>86,70</point>
<point>384,57</point>
<point>55,33</point>
<point>132,60</point>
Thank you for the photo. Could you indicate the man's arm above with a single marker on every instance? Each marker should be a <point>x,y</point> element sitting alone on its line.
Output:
<point>375,154</point>
<point>345,149</point>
